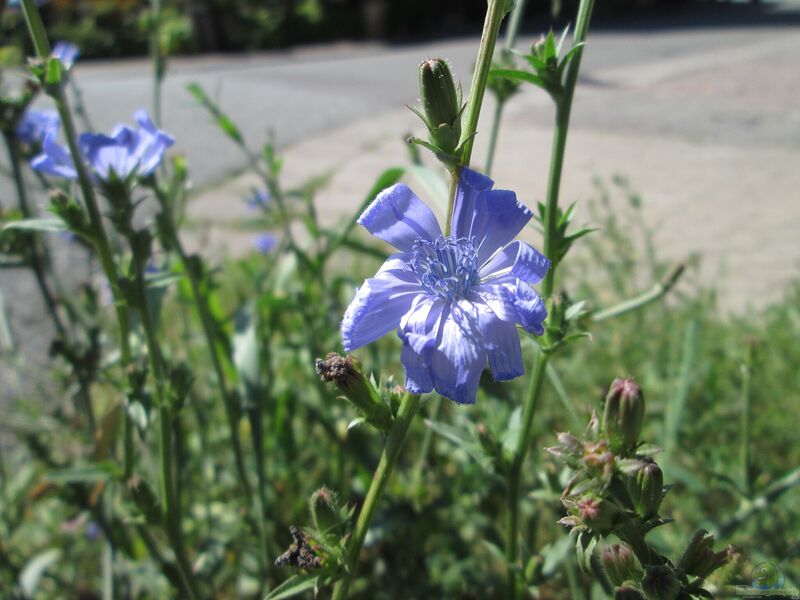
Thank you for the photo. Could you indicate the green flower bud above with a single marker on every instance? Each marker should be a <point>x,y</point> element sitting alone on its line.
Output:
<point>345,373</point>
<point>619,563</point>
<point>623,415</point>
<point>646,489</point>
<point>699,558</point>
<point>441,103</point>
<point>660,583</point>
<point>627,593</point>
<point>597,513</point>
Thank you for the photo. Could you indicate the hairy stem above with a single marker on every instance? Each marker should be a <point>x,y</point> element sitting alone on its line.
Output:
<point>394,442</point>
<point>99,237</point>
<point>563,108</point>
<point>491,27</point>
<point>515,472</point>
<point>510,41</point>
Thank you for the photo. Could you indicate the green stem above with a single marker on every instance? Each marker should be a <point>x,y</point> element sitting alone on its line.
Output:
<point>455,173</point>
<point>394,442</point>
<point>172,508</point>
<point>207,323</point>
<point>498,115</point>
<point>515,472</point>
<point>657,291</point>
<point>491,27</point>
<point>99,237</point>
<point>38,252</point>
<point>563,110</point>
<point>157,58</point>
<point>511,40</point>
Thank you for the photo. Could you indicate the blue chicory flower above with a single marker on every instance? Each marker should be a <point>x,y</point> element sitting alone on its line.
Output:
<point>66,52</point>
<point>259,200</point>
<point>35,125</point>
<point>126,152</point>
<point>265,243</point>
<point>455,301</point>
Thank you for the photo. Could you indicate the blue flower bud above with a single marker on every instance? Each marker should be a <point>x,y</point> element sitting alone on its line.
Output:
<point>623,415</point>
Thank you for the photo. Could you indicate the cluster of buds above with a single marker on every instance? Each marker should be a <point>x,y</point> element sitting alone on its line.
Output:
<point>617,488</point>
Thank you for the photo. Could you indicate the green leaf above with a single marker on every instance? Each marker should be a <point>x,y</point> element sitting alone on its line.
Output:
<point>91,473</point>
<point>51,225</point>
<point>33,571</point>
<point>297,584</point>
<point>223,121</point>
<point>511,434</point>
<point>245,349</point>
<point>519,75</point>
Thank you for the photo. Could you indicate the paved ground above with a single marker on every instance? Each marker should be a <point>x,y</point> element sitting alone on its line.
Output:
<point>703,120</point>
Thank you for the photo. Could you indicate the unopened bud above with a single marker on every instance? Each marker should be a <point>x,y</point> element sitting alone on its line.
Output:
<point>441,102</point>
<point>619,563</point>
<point>597,513</point>
<point>623,415</point>
<point>627,593</point>
<point>145,499</point>
<point>699,557</point>
<point>660,583</point>
<point>647,489</point>
<point>345,373</point>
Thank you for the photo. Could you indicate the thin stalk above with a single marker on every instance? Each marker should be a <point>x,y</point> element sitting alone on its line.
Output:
<point>515,472</point>
<point>99,237</point>
<point>207,323</point>
<point>491,27</point>
<point>498,115</point>
<point>659,290</point>
<point>157,57</point>
<point>38,256</point>
<point>744,445</point>
<point>451,202</point>
<point>563,110</point>
<point>511,40</point>
<point>172,508</point>
<point>394,442</point>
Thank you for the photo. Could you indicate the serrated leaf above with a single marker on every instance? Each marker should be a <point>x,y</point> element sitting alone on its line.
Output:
<point>33,571</point>
<point>296,584</point>
<point>51,225</point>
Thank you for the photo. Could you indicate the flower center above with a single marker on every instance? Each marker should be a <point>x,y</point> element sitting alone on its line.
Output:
<point>446,267</point>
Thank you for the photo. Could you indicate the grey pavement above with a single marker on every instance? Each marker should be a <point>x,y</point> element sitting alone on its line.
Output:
<point>703,121</point>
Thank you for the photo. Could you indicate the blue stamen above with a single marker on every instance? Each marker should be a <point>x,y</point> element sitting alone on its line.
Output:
<point>446,267</point>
